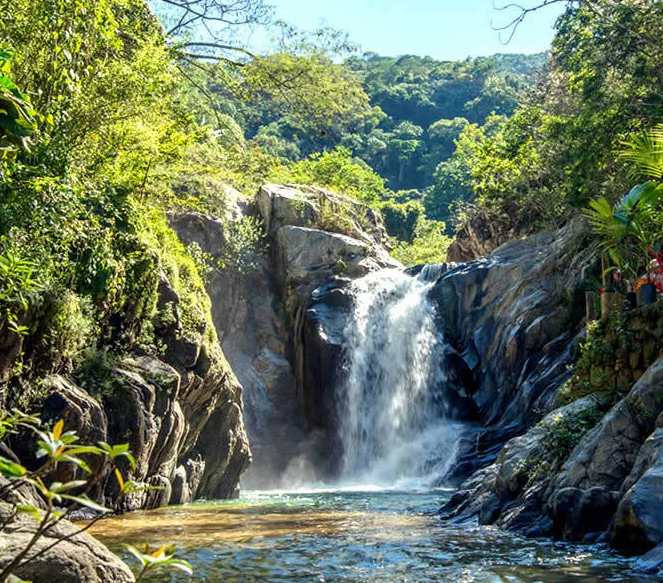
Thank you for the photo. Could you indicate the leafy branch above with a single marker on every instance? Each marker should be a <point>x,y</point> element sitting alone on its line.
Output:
<point>62,498</point>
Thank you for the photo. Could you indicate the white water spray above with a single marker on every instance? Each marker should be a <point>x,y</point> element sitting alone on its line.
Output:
<point>391,419</point>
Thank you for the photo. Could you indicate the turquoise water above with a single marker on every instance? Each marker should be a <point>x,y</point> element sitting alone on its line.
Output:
<point>364,536</point>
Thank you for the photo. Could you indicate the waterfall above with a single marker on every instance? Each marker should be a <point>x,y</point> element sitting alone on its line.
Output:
<point>391,409</point>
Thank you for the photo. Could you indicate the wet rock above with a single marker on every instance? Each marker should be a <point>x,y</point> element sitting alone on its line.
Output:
<point>225,447</point>
<point>159,492</point>
<point>180,491</point>
<point>525,456</point>
<point>503,313</point>
<point>250,324</point>
<point>81,413</point>
<point>581,514</point>
<point>490,509</point>
<point>471,496</point>
<point>639,518</point>
<point>186,480</point>
<point>319,351</point>
<point>651,563</point>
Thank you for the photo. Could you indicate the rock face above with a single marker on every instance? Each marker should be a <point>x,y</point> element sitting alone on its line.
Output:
<point>506,315</point>
<point>480,236</point>
<point>609,487</point>
<point>250,324</point>
<point>80,559</point>
<point>317,236</point>
<point>264,313</point>
<point>180,412</point>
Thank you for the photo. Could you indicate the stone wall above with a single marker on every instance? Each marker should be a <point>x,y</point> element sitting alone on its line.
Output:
<point>618,349</point>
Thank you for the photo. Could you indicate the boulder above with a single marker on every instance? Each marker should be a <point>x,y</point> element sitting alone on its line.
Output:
<point>480,236</point>
<point>79,559</point>
<point>313,207</point>
<point>180,490</point>
<point>650,563</point>
<point>607,454</point>
<point>638,522</point>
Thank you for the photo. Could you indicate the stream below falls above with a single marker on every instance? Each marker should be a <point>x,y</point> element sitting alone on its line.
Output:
<point>361,535</point>
<point>397,430</point>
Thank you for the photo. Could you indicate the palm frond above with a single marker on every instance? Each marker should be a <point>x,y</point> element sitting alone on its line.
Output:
<point>645,152</point>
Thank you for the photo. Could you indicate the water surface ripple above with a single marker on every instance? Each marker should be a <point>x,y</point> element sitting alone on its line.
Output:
<point>353,537</point>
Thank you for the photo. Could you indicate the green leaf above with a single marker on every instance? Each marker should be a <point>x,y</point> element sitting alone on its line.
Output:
<point>74,460</point>
<point>85,501</point>
<point>29,509</point>
<point>85,449</point>
<point>9,469</point>
<point>59,487</point>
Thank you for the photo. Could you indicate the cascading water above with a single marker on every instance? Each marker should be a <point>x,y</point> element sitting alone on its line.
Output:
<point>391,409</point>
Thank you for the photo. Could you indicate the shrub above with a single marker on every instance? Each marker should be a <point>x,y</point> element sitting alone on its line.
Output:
<point>55,446</point>
<point>430,245</point>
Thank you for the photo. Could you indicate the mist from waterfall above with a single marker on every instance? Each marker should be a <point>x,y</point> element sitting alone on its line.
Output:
<point>392,426</point>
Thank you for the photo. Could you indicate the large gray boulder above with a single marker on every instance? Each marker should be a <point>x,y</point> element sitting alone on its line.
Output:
<point>609,487</point>
<point>606,455</point>
<point>79,559</point>
<point>313,207</point>
<point>504,313</point>
<point>511,493</point>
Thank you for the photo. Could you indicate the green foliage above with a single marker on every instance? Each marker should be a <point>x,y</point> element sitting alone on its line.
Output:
<point>56,446</point>
<point>613,355</point>
<point>564,433</point>
<point>631,227</point>
<point>17,118</point>
<point>153,230</point>
<point>645,154</point>
<point>69,328</point>
<point>162,557</point>
<point>245,245</point>
<point>336,170</point>
<point>561,147</point>
<point>429,245</point>
<point>18,283</point>
<point>310,85</point>
<point>417,108</point>
<point>401,219</point>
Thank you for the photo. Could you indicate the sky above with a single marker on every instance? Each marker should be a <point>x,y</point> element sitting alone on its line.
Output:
<point>442,29</point>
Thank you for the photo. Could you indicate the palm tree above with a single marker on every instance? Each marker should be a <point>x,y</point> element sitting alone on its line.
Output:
<point>635,222</point>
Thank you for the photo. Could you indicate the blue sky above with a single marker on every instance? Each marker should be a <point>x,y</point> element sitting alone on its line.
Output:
<point>443,29</point>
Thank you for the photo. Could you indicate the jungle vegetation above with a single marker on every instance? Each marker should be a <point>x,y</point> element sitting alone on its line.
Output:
<point>116,111</point>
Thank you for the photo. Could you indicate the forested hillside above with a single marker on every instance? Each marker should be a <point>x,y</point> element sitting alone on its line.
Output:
<point>419,106</point>
<point>111,117</point>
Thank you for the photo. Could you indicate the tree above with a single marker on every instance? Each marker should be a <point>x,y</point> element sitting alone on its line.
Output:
<point>208,29</point>
<point>17,117</point>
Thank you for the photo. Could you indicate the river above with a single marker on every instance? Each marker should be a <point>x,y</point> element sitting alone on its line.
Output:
<point>367,535</point>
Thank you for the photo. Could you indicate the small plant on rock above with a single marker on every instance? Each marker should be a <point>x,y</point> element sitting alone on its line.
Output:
<point>60,499</point>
